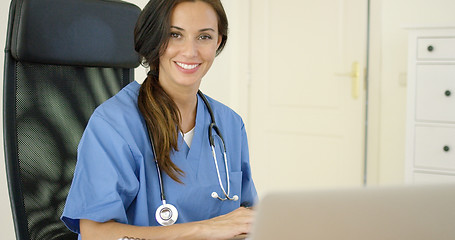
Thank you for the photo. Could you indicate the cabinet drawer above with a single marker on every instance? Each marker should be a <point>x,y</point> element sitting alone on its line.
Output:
<point>435,93</point>
<point>436,48</point>
<point>419,177</point>
<point>435,148</point>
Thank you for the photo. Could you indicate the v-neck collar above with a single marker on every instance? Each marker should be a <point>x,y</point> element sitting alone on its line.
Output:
<point>193,153</point>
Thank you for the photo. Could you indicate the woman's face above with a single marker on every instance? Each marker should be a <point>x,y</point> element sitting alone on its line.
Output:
<point>192,46</point>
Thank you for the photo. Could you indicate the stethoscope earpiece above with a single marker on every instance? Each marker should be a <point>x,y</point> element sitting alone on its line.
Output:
<point>233,198</point>
<point>214,195</point>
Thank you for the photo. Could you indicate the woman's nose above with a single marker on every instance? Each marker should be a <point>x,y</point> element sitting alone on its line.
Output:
<point>190,49</point>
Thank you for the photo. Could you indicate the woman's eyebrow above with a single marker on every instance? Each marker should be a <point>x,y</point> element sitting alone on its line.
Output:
<point>207,29</point>
<point>178,28</point>
<point>202,30</point>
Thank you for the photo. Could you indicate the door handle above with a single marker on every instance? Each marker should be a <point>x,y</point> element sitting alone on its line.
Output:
<point>355,78</point>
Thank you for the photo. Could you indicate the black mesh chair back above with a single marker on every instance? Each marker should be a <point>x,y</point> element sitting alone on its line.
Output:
<point>62,59</point>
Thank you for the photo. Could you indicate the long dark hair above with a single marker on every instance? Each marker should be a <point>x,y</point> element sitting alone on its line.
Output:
<point>151,36</point>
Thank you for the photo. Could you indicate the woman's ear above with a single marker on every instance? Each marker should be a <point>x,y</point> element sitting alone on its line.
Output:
<point>220,38</point>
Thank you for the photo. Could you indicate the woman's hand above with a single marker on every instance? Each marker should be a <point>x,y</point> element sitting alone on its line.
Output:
<point>229,225</point>
<point>222,227</point>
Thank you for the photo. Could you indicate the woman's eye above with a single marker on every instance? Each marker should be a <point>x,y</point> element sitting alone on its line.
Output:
<point>205,37</point>
<point>175,35</point>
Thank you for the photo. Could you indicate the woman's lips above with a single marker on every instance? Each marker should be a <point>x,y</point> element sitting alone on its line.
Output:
<point>188,67</point>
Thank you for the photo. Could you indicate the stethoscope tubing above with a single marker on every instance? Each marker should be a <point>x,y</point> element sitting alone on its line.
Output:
<point>218,173</point>
<point>214,127</point>
<point>160,178</point>
<point>170,207</point>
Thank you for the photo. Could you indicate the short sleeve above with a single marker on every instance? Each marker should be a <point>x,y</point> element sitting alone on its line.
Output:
<point>105,179</point>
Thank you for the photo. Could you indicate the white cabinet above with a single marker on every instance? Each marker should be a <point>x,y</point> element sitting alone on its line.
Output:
<point>430,124</point>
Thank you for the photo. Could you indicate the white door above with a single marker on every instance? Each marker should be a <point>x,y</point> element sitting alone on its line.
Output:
<point>306,112</point>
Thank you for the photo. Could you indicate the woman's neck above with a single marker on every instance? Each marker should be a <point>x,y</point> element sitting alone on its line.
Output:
<point>186,101</point>
<point>188,109</point>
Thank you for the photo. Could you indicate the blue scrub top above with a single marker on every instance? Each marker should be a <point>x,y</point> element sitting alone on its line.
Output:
<point>116,177</point>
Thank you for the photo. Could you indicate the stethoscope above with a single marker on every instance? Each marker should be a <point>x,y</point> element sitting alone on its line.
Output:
<point>167,214</point>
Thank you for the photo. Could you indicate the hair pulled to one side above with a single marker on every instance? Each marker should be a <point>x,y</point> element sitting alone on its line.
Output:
<point>161,114</point>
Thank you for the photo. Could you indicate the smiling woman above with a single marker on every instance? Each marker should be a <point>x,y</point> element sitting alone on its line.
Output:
<point>175,85</point>
<point>148,156</point>
<point>190,52</point>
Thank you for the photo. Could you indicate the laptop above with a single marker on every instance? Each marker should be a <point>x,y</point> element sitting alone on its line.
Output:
<point>424,212</point>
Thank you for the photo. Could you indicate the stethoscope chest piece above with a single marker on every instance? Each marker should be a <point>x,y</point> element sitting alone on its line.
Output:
<point>166,214</point>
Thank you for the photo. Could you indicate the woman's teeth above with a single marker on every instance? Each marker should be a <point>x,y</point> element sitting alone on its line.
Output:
<point>186,66</point>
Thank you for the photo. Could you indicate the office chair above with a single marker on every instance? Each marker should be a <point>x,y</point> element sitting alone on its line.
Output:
<point>62,59</point>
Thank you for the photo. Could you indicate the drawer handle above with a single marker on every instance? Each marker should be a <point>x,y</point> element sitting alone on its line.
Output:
<point>448,93</point>
<point>446,148</point>
<point>430,48</point>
